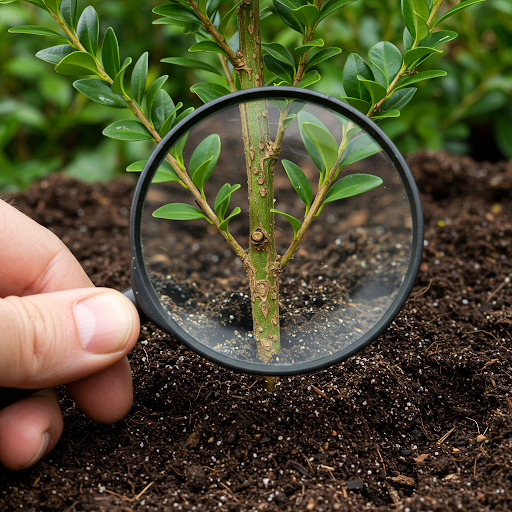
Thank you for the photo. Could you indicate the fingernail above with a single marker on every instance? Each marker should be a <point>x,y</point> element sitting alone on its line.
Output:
<point>104,322</point>
<point>43,450</point>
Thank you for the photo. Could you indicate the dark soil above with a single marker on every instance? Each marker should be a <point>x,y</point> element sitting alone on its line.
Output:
<point>419,421</point>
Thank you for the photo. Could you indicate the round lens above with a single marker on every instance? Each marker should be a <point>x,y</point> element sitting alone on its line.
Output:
<point>275,232</point>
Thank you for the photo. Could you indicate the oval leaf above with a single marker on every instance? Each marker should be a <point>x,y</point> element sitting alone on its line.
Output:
<point>411,57</point>
<point>279,52</point>
<point>322,55</point>
<point>88,30</point>
<point>161,109</point>
<point>359,148</point>
<point>399,99</point>
<point>110,53</point>
<point>307,14</point>
<point>77,63</point>
<point>179,211</point>
<point>100,92</point>
<point>127,130</point>
<point>324,142</point>
<point>288,17</point>
<point>208,150</point>
<point>296,223</point>
<point>164,174</point>
<point>352,185</point>
<point>417,77</point>
<point>118,83</point>
<point>209,92</point>
<point>37,31</point>
<point>55,54</point>
<point>279,68</point>
<point>153,91</point>
<point>224,224</point>
<point>310,78</point>
<point>68,13</point>
<point>314,153</point>
<point>178,12</point>
<point>222,199</point>
<point>386,61</point>
<point>139,77</point>
<point>354,67</point>
<point>376,90</point>
<point>299,181</point>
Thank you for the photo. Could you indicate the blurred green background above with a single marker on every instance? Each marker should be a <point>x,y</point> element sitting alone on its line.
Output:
<point>46,125</point>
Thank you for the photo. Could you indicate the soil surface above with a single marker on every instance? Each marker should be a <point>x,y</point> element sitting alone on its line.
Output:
<point>421,420</point>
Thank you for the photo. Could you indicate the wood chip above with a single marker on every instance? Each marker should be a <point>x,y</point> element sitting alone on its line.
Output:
<point>403,480</point>
<point>445,437</point>
<point>450,476</point>
<point>480,438</point>
<point>420,458</point>
<point>509,402</point>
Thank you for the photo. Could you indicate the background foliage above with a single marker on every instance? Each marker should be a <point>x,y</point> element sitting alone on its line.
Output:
<point>46,125</point>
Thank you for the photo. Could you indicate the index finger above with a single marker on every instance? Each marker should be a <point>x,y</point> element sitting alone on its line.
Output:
<point>33,259</point>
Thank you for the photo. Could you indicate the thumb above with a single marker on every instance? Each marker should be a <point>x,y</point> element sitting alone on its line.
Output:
<point>60,337</point>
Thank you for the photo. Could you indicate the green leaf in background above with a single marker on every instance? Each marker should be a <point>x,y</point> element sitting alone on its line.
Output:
<point>304,117</point>
<point>399,99</point>
<point>358,148</point>
<point>191,63</point>
<point>385,60</point>
<point>279,52</point>
<point>296,223</point>
<point>77,63</point>
<point>68,13</point>
<point>352,185</point>
<point>127,129</point>
<point>178,12</point>
<point>417,77</point>
<point>225,20</point>
<point>315,43</point>
<point>179,211</point>
<point>207,46</point>
<point>153,91</point>
<point>502,131</point>
<point>324,142</point>
<point>37,31</point>
<point>88,30</point>
<point>307,14</point>
<point>110,53</point>
<point>438,38</point>
<point>139,77</point>
<point>411,57</point>
<point>164,174</point>
<point>322,55</point>
<point>208,150</point>
<point>458,7</point>
<point>118,83</point>
<point>279,69</point>
<point>331,6</point>
<point>361,105</point>
<point>162,107</point>
<point>172,120</point>
<point>354,67</point>
<point>299,181</point>
<point>376,90</point>
<point>310,78</point>
<point>223,198</point>
<point>55,54</point>
<point>100,92</point>
<point>224,224</point>
<point>286,14</point>
<point>416,13</point>
<point>209,92</point>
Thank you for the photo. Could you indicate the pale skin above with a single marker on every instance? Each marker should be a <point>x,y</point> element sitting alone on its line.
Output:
<point>56,329</point>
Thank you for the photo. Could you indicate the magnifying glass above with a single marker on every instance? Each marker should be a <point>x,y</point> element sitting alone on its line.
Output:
<point>275,231</point>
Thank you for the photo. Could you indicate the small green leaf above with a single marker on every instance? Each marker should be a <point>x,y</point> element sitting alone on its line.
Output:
<point>179,211</point>
<point>310,78</point>
<point>164,174</point>
<point>77,63</point>
<point>333,5</point>
<point>139,77</point>
<point>225,20</point>
<point>416,13</point>
<point>100,92</point>
<point>299,181</point>
<point>352,185</point>
<point>315,43</point>
<point>118,83</point>
<point>207,46</point>
<point>296,223</point>
<point>177,150</point>
<point>55,54</point>
<point>307,14</point>
<point>288,17</point>
<point>408,40</point>
<point>224,224</point>
<point>438,38</point>
<point>191,63</point>
<point>324,142</point>
<point>37,31</point>
<point>376,90</point>
<point>223,198</point>
<point>385,61</point>
<point>209,92</point>
<point>127,129</point>
<point>178,12</point>
<point>162,108</point>
<point>305,117</point>
<point>361,105</point>
<point>208,150</point>
<point>279,52</point>
<point>68,13</point>
<point>358,148</point>
<point>322,55</point>
<point>279,69</point>
<point>417,77</point>
<point>458,7</point>
<point>411,57</point>
<point>198,174</point>
<point>88,30</point>
<point>153,91</point>
<point>399,99</point>
<point>172,120</point>
<point>383,115</point>
<point>354,67</point>
<point>110,53</point>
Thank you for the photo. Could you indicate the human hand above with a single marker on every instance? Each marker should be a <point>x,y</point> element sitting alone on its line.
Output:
<point>56,328</point>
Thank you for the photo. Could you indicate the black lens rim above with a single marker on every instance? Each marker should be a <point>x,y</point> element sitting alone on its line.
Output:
<point>146,296</point>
